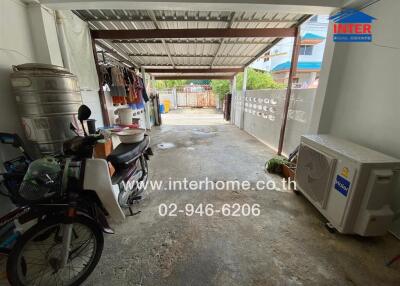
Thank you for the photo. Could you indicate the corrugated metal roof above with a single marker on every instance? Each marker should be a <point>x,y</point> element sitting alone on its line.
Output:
<point>179,53</point>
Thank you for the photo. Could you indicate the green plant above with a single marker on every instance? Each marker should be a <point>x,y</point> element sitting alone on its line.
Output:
<point>200,81</point>
<point>220,87</point>
<point>161,84</point>
<point>274,165</point>
<point>257,80</point>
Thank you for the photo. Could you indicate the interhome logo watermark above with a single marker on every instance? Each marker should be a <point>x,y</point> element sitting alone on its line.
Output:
<point>208,185</point>
<point>351,25</point>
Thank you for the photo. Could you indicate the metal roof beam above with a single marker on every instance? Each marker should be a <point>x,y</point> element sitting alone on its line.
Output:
<point>192,33</point>
<point>116,53</point>
<point>154,19</point>
<point>160,20</point>
<point>193,77</point>
<point>178,70</point>
<point>189,56</point>
<point>245,21</point>
<point>222,40</point>
<point>202,66</point>
<point>200,41</point>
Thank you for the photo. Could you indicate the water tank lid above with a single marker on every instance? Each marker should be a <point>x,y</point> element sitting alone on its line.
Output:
<point>39,66</point>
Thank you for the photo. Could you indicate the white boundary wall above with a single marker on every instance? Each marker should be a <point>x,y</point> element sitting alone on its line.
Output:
<point>263,115</point>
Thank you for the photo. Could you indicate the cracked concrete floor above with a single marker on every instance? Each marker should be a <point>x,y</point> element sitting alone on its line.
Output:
<point>286,245</point>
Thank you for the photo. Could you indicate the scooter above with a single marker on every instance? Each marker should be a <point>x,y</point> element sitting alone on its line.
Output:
<point>70,201</point>
<point>129,180</point>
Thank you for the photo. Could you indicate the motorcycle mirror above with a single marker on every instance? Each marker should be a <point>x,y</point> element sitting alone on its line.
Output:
<point>73,128</point>
<point>84,112</point>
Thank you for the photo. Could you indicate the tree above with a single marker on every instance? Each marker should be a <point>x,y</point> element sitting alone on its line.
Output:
<point>200,81</point>
<point>255,80</point>
<point>161,84</point>
<point>220,87</point>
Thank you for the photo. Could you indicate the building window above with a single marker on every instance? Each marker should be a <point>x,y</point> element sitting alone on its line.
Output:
<point>296,83</point>
<point>267,56</point>
<point>306,50</point>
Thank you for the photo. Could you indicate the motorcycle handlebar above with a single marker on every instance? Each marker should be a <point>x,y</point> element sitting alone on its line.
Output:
<point>81,146</point>
<point>92,139</point>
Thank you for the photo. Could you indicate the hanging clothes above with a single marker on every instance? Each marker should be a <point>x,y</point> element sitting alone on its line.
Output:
<point>138,88</point>
<point>144,93</point>
<point>125,86</point>
<point>105,76</point>
<point>118,90</point>
<point>133,96</point>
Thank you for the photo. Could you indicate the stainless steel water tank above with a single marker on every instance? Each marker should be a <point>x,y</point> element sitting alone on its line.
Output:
<point>48,98</point>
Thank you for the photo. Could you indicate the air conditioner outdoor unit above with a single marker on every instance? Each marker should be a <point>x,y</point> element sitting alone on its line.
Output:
<point>349,184</point>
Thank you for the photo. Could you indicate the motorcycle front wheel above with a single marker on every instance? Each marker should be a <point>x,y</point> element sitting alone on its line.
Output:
<point>36,257</point>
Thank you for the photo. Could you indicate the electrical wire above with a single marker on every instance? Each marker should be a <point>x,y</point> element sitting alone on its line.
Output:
<point>384,46</point>
<point>368,4</point>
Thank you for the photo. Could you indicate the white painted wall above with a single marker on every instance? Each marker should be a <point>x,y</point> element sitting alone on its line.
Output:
<point>263,114</point>
<point>27,34</point>
<point>78,58</point>
<point>362,98</point>
<point>44,35</point>
<point>16,47</point>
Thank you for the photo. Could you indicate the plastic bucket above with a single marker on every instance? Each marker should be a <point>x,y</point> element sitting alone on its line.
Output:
<point>162,110</point>
<point>167,104</point>
<point>125,115</point>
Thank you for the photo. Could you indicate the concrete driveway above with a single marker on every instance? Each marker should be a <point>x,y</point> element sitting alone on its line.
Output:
<point>193,116</point>
<point>287,244</point>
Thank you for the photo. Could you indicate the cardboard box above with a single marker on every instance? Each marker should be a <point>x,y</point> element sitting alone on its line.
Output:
<point>102,150</point>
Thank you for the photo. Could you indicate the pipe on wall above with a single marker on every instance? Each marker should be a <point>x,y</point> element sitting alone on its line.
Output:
<point>292,73</point>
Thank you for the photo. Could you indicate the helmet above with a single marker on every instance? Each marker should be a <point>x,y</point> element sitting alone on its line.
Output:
<point>42,180</point>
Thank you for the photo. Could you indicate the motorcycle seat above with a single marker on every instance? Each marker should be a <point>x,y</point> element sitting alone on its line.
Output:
<point>125,153</point>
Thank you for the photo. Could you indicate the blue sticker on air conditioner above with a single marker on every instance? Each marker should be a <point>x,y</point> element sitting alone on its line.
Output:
<point>342,185</point>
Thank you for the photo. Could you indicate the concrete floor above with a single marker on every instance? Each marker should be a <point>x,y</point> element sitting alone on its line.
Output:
<point>193,116</point>
<point>286,245</point>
